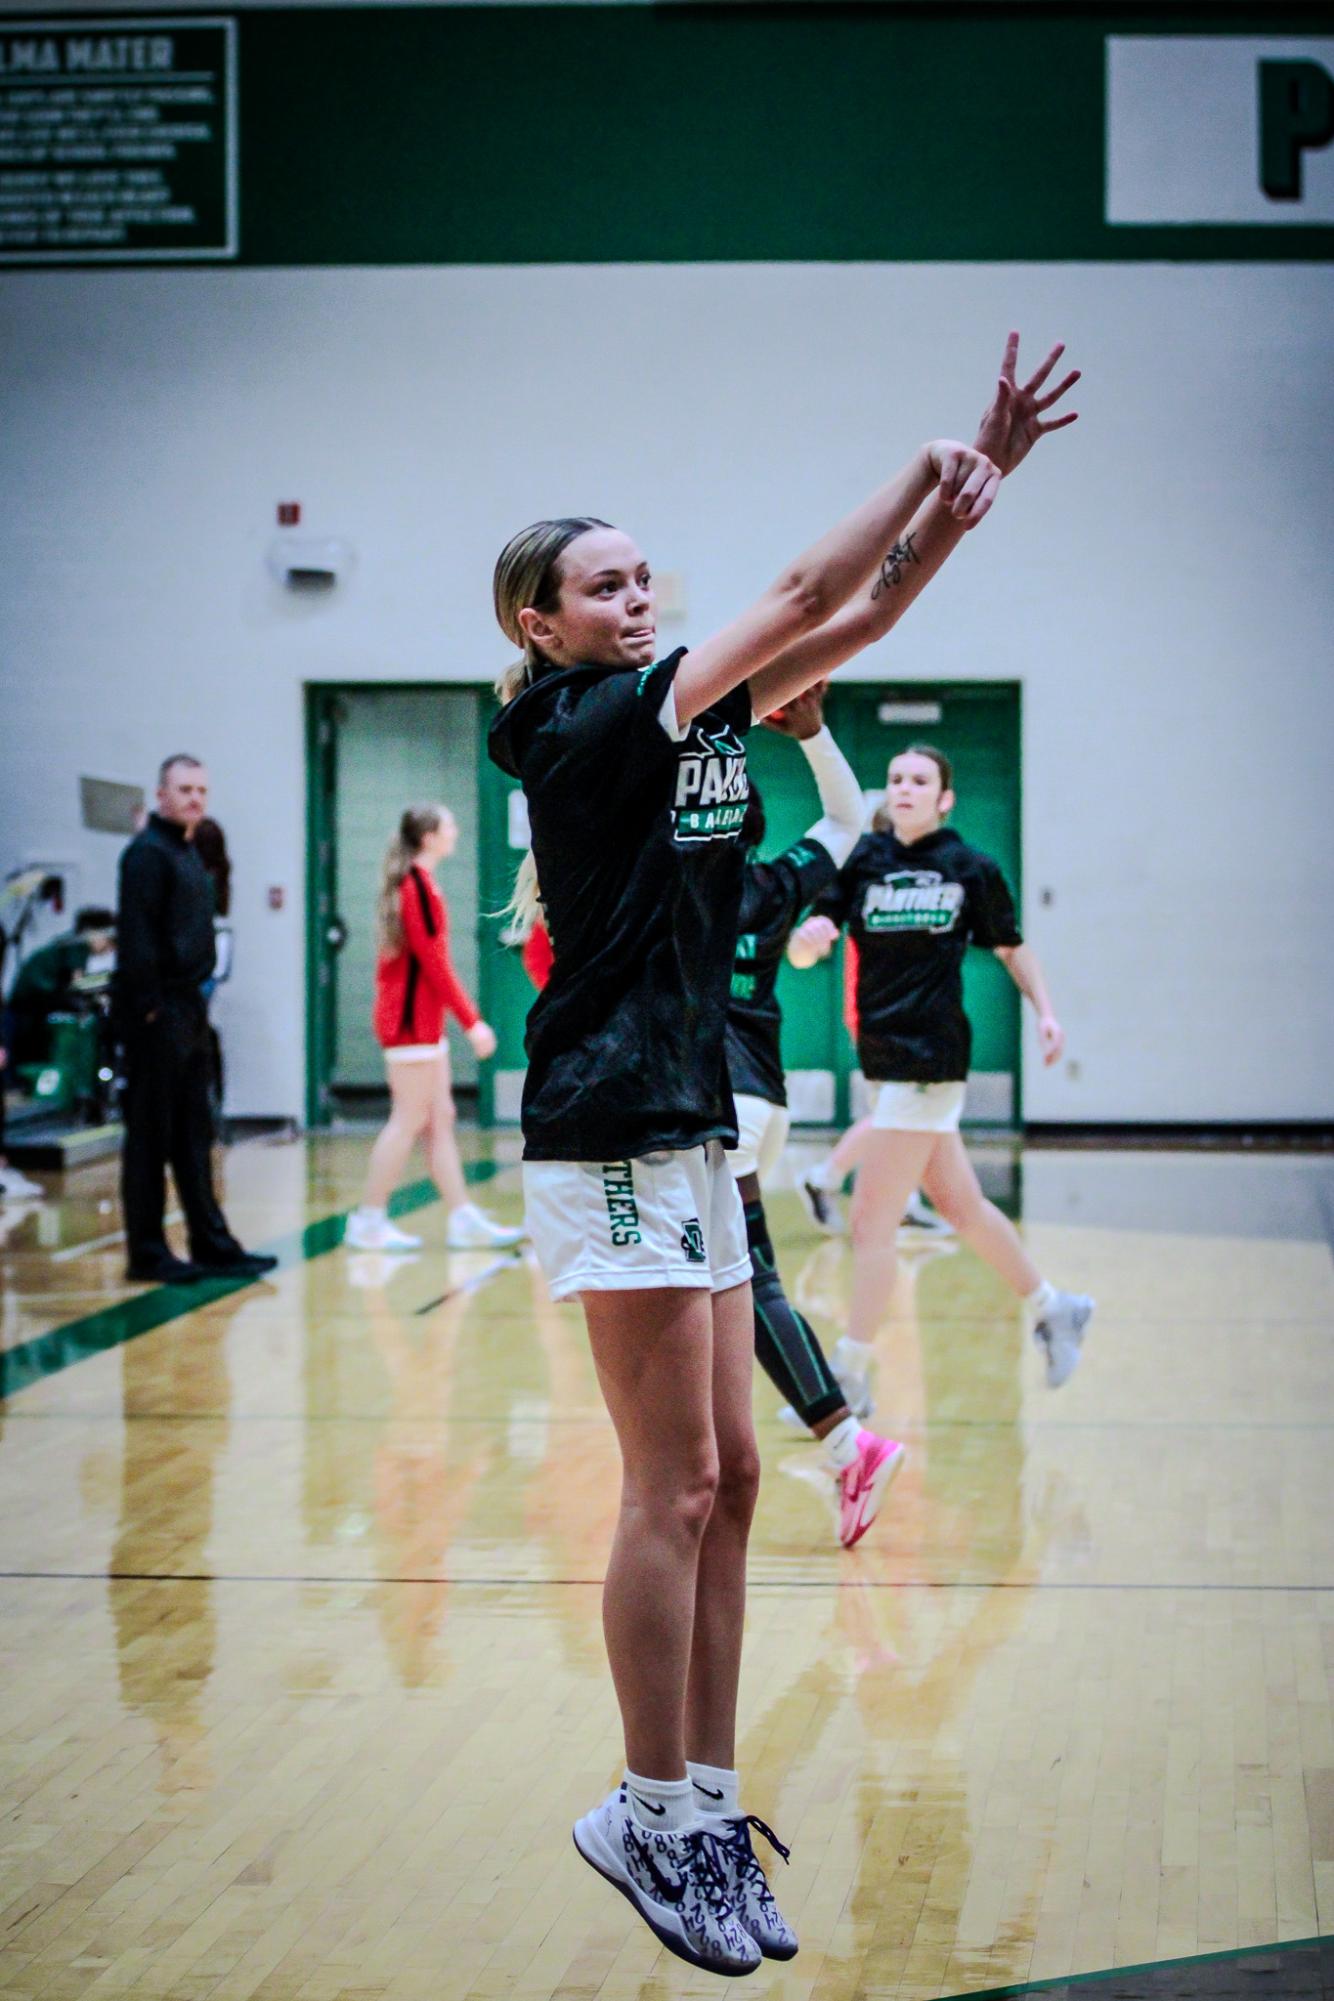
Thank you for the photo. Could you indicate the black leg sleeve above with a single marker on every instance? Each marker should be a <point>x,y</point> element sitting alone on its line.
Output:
<point>785,1344</point>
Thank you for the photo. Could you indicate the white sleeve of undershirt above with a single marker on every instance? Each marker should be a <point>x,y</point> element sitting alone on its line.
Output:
<point>839,831</point>
<point>667,715</point>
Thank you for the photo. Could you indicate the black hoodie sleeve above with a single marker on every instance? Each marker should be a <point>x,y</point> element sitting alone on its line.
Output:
<point>813,872</point>
<point>991,915</point>
<point>140,921</point>
<point>837,901</point>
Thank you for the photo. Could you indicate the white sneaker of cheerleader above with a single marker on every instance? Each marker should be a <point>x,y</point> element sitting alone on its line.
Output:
<point>469,1229</point>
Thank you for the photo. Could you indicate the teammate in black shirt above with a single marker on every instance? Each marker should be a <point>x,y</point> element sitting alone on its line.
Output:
<point>634,774</point>
<point>914,896</point>
<point>774,896</point>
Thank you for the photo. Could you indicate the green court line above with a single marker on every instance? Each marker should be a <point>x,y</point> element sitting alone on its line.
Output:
<point>1062,1980</point>
<point>47,1354</point>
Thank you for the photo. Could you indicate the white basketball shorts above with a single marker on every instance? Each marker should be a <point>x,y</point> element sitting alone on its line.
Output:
<point>918,1108</point>
<point>762,1134</point>
<point>667,1219</point>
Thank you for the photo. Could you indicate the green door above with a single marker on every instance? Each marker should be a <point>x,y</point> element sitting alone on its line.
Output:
<point>374,751</point>
<point>977,726</point>
<point>507,992</point>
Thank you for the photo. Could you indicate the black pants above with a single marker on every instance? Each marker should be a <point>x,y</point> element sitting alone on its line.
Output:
<point>30,1036</point>
<point>169,1122</point>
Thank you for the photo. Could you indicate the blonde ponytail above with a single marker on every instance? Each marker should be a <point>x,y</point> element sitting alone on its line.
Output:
<point>416,823</point>
<point>514,679</point>
<point>524,909</point>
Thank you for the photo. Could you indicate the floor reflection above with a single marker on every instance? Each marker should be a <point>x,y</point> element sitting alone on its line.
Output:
<point>175,1401</point>
<point>303,1676</point>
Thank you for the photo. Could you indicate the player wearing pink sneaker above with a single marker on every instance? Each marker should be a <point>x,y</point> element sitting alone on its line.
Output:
<point>773,897</point>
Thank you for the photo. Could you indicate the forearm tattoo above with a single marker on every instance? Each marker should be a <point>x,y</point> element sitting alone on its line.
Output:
<point>892,566</point>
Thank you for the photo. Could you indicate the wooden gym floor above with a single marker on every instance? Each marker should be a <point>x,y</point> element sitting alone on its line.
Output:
<point>301,1676</point>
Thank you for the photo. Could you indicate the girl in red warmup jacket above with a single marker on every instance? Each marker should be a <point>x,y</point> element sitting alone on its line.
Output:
<point>415,988</point>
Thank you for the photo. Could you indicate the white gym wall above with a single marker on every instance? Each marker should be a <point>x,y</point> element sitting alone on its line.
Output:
<point>1159,580</point>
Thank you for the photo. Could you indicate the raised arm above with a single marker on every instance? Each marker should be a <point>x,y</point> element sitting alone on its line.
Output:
<point>1011,426</point>
<point>962,483</point>
<point>902,572</point>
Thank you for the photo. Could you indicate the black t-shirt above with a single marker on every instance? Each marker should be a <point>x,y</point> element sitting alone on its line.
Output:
<point>773,896</point>
<point>636,837</point>
<point>913,912</point>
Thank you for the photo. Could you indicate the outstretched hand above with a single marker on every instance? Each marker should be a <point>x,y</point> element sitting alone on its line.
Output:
<point>801,716</point>
<point>1012,425</point>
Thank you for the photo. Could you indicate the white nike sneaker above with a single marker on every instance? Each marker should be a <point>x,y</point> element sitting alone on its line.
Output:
<point>471,1229</point>
<point>747,1886</point>
<point>1060,1335</point>
<point>821,1203</point>
<point>919,1215</point>
<point>18,1188</point>
<point>376,1233</point>
<point>676,1882</point>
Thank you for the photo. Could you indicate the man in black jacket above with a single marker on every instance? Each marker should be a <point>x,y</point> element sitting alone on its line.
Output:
<point>164,954</point>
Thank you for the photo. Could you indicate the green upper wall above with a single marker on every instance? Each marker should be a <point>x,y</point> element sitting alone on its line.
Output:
<point>539,134</point>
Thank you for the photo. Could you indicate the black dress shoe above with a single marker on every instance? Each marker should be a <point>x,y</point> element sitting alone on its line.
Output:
<point>164,1271</point>
<point>246,1264</point>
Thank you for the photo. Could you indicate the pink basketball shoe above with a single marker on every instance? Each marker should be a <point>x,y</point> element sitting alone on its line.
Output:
<point>863,1485</point>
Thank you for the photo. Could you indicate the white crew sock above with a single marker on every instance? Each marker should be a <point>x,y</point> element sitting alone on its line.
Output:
<point>1041,1299</point>
<point>370,1214</point>
<point>666,1805</point>
<point>717,1792</point>
<point>854,1358</point>
<point>840,1444</point>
